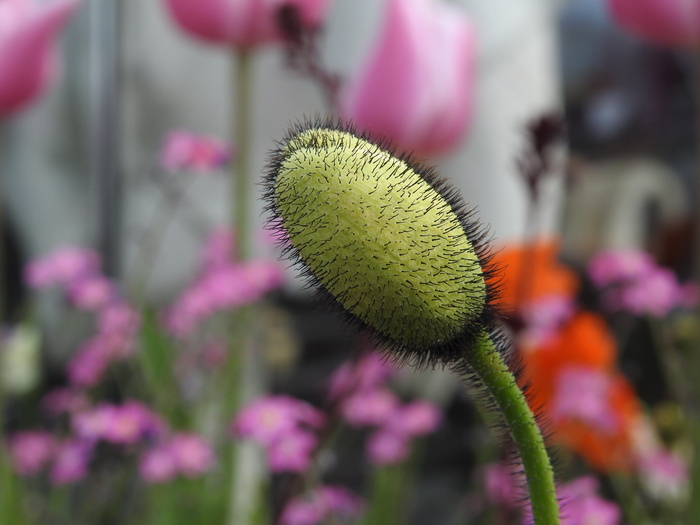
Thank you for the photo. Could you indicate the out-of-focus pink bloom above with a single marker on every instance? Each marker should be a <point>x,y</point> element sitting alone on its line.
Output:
<point>385,447</point>
<point>416,87</point>
<point>118,317</point>
<point>623,265</point>
<point>370,407</point>
<point>291,451</point>
<point>88,365</point>
<point>665,22</point>
<point>157,465</point>
<point>120,424</point>
<point>543,317</point>
<point>64,400</point>
<point>221,288</point>
<point>664,475</point>
<point>91,293</point>
<point>503,485</point>
<point>582,505</point>
<point>218,249</point>
<point>184,151</point>
<point>631,281</point>
<point>417,418</point>
<point>28,59</point>
<point>62,267</point>
<point>321,503</point>
<point>584,394</point>
<point>267,418</point>
<point>191,454</point>
<point>70,463</point>
<point>241,23</point>
<point>31,451</point>
<point>370,371</point>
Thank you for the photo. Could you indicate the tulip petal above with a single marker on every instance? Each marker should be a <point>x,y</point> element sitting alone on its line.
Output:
<point>27,56</point>
<point>666,22</point>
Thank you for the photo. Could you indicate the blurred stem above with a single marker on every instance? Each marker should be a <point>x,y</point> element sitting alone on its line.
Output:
<point>240,167</point>
<point>490,367</point>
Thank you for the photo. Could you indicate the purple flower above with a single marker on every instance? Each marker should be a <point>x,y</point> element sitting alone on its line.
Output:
<point>504,485</point>
<point>543,317</point>
<point>385,447</point>
<point>198,153</point>
<point>70,462</point>
<point>191,454</point>
<point>157,465</point>
<point>63,267</point>
<point>371,370</point>
<point>124,424</point>
<point>417,418</point>
<point>613,266</point>
<point>583,393</point>
<point>369,407</point>
<point>91,293</point>
<point>31,451</point>
<point>320,504</point>
<point>581,504</point>
<point>291,451</point>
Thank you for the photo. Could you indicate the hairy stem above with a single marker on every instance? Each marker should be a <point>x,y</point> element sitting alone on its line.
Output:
<point>489,365</point>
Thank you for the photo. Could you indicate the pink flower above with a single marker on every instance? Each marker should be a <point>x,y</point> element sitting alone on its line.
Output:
<point>120,424</point>
<point>385,447</point>
<point>417,418</point>
<point>503,485</point>
<point>291,451</point>
<point>64,400</point>
<point>623,265</point>
<point>319,505</point>
<point>198,153</point>
<point>267,418</point>
<point>665,22</point>
<point>31,451</point>
<point>63,266</point>
<point>543,317</point>
<point>416,87</point>
<point>70,462</point>
<point>192,455</point>
<point>371,407</point>
<point>28,60</point>
<point>583,394</point>
<point>91,293</point>
<point>157,465</point>
<point>241,23</point>
<point>582,505</point>
<point>370,371</point>
<point>665,475</point>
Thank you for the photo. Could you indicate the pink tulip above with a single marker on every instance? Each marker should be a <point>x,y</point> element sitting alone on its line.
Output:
<point>241,23</point>
<point>415,88</point>
<point>28,29</point>
<point>666,22</point>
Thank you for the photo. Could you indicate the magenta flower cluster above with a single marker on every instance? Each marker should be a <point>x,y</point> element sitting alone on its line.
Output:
<point>285,427</point>
<point>131,426</point>
<point>366,401</point>
<point>319,505</point>
<point>185,151</point>
<point>631,281</point>
<point>221,284</point>
<point>76,271</point>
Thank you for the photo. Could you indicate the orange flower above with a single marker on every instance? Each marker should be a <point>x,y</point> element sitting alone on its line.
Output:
<point>599,422</point>
<point>530,272</point>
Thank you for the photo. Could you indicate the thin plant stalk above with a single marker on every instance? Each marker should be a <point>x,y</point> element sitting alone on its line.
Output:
<point>490,367</point>
<point>245,373</point>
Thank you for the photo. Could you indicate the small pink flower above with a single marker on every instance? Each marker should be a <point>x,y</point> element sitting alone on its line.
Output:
<point>267,418</point>
<point>291,451</point>
<point>241,23</point>
<point>62,267</point>
<point>87,367</point>
<point>583,394</point>
<point>385,447</point>
<point>31,451</point>
<point>581,504</point>
<point>370,371</point>
<point>64,400</point>
<point>416,87</point>
<point>417,418</point>
<point>70,462</point>
<point>371,407</point>
<point>622,265</point>
<point>157,465</point>
<point>503,485</point>
<point>543,318</point>
<point>319,505</point>
<point>91,293</point>
<point>218,249</point>
<point>664,474</point>
<point>198,153</point>
<point>28,62</point>
<point>191,454</point>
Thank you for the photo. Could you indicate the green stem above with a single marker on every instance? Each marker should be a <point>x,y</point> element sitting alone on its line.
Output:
<point>240,167</point>
<point>489,365</point>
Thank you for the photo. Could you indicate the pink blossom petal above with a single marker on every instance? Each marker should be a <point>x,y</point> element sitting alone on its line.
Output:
<point>27,56</point>
<point>665,22</point>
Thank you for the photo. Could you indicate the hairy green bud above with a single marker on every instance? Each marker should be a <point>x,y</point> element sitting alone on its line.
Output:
<point>386,241</point>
